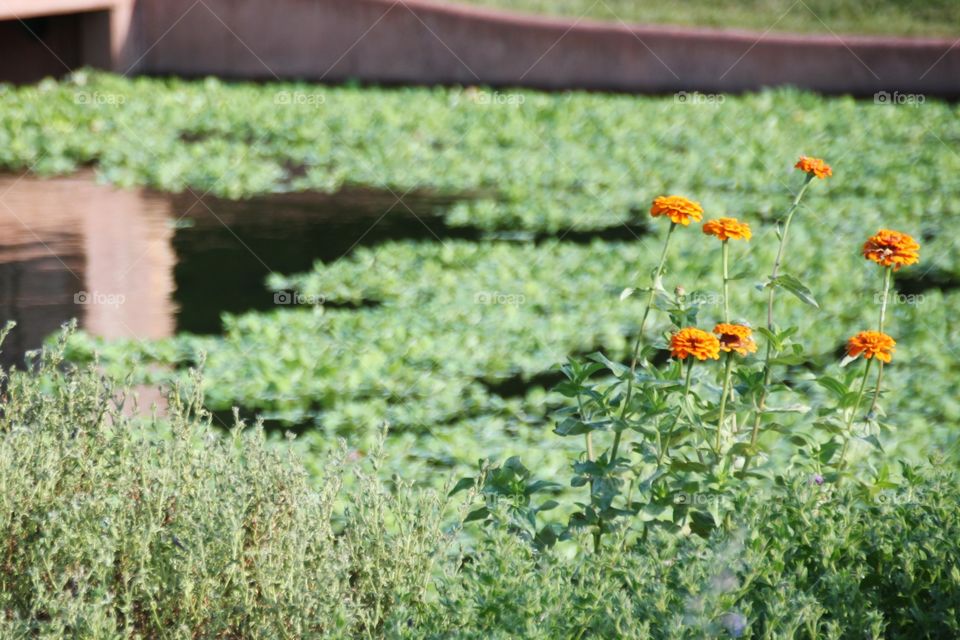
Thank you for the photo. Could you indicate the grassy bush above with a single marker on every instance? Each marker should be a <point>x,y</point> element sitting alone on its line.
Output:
<point>111,528</point>
<point>805,561</point>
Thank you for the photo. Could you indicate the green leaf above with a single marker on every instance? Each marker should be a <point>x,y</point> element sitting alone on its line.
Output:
<point>741,449</point>
<point>574,427</point>
<point>462,485</point>
<point>771,338</point>
<point>568,389</point>
<point>548,505</point>
<point>789,360</point>
<point>801,440</point>
<point>542,485</point>
<point>794,286</point>
<point>790,408</point>
<point>615,367</point>
<point>477,514</point>
<point>827,450</point>
<point>873,440</point>
<point>833,385</point>
<point>829,427</point>
<point>548,536</point>
<point>656,512</point>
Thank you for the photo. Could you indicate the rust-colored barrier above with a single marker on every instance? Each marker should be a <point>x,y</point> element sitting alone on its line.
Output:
<point>417,41</point>
<point>426,42</point>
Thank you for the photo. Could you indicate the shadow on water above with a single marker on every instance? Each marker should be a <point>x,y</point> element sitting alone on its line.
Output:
<point>230,247</point>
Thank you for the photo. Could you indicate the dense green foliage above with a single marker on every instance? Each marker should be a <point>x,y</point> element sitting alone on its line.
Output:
<point>424,360</point>
<point>113,527</point>
<point>543,162</point>
<point>801,562</point>
<point>897,17</point>
<point>166,527</point>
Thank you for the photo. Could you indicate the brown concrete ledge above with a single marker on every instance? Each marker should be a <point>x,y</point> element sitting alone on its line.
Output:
<point>425,42</point>
<point>417,41</point>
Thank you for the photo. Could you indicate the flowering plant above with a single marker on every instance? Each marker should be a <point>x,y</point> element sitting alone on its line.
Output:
<point>686,431</point>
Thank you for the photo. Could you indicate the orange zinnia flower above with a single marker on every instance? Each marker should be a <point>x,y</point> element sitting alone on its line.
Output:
<point>735,337</point>
<point>691,341</point>
<point>727,229</point>
<point>892,249</point>
<point>677,208</point>
<point>870,344</point>
<point>814,166</point>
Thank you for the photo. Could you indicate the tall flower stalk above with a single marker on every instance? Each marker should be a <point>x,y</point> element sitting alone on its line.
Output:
<point>732,337</point>
<point>848,435</point>
<point>681,212</point>
<point>891,250</point>
<point>654,286</point>
<point>814,168</point>
<point>870,344</point>
<point>887,277</point>
<point>693,344</point>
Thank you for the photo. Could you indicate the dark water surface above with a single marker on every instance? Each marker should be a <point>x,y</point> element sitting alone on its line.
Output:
<point>136,263</point>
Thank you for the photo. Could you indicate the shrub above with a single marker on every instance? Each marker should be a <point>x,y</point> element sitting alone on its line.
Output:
<point>810,561</point>
<point>119,527</point>
<point>115,527</point>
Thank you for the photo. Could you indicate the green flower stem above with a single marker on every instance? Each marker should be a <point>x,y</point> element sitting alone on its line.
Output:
<point>853,413</point>
<point>686,393</point>
<point>887,280</point>
<point>783,243</point>
<point>588,435</point>
<point>726,280</point>
<point>650,299</point>
<point>723,397</point>
<point>725,252</point>
<point>643,323</point>
<point>761,403</point>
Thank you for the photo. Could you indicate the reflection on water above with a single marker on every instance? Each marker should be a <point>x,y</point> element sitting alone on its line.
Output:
<point>135,263</point>
<point>71,248</point>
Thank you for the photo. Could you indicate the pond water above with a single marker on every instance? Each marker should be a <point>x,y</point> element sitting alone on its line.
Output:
<point>136,263</point>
